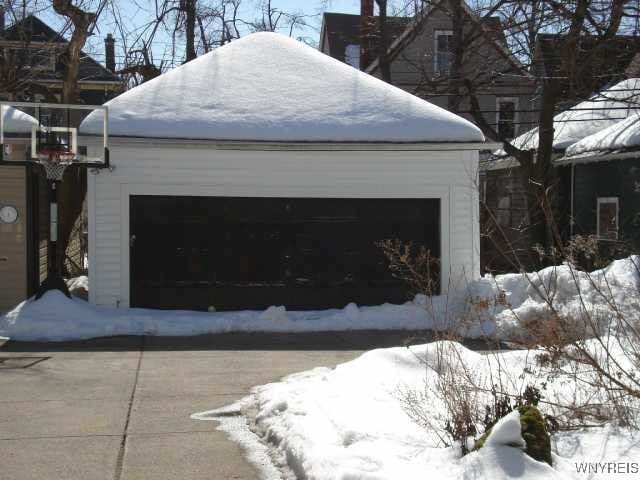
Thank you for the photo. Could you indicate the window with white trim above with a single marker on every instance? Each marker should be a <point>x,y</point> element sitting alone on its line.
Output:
<point>352,55</point>
<point>608,216</point>
<point>506,116</point>
<point>443,52</point>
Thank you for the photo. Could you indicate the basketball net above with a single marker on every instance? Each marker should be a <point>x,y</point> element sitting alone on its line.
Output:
<point>55,162</point>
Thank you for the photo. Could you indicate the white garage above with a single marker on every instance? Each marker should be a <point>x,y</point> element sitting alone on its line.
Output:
<point>264,173</point>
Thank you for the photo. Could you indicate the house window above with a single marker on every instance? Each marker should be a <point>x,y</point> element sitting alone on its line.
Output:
<point>506,117</point>
<point>352,55</point>
<point>444,52</point>
<point>608,216</point>
<point>511,210</point>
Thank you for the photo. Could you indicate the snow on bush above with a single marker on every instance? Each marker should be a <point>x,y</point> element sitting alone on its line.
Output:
<point>506,432</point>
<point>531,297</point>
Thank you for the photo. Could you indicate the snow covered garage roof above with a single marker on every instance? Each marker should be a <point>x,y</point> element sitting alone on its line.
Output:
<point>16,121</point>
<point>268,87</point>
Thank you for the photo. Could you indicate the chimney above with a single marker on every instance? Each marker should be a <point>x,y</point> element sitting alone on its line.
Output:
<point>367,24</point>
<point>110,53</point>
<point>366,8</point>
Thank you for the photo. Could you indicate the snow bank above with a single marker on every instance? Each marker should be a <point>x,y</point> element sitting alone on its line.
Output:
<point>622,135</point>
<point>349,422</point>
<point>488,307</point>
<point>58,318</point>
<point>268,87</point>
<point>524,298</point>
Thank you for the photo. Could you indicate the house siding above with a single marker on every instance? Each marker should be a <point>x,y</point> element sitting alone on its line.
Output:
<point>416,63</point>
<point>172,170</point>
<point>617,178</point>
<point>13,239</point>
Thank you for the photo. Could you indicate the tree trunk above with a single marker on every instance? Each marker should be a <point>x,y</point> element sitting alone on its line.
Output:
<point>189,9</point>
<point>82,23</point>
<point>539,176</point>
<point>72,191</point>
<point>383,47</point>
<point>455,71</point>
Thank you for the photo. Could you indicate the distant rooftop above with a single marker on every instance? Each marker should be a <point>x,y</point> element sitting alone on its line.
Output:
<point>33,30</point>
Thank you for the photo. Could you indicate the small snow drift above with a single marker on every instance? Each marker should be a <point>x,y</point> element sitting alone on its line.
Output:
<point>268,87</point>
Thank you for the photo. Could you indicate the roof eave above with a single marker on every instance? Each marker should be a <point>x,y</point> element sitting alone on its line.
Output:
<point>298,145</point>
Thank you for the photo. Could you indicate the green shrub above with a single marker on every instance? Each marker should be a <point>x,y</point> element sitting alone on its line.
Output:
<point>534,433</point>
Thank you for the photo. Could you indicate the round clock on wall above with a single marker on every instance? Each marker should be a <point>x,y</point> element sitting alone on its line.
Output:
<point>8,214</point>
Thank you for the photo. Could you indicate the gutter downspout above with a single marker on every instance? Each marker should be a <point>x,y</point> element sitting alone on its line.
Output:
<point>572,219</point>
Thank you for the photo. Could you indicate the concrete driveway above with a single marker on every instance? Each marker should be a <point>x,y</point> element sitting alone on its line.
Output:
<point>119,408</point>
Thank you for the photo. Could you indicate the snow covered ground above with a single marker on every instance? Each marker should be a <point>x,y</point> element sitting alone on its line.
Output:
<point>358,421</point>
<point>487,307</point>
<point>349,422</point>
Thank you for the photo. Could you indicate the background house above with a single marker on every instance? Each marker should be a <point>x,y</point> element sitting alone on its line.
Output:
<point>32,70</point>
<point>604,171</point>
<point>587,180</point>
<point>421,61</point>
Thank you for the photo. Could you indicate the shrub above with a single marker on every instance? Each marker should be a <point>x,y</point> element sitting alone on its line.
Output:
<point>534,433</point>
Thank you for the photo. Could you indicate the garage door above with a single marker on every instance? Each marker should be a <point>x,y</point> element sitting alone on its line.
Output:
<point>250,253</point>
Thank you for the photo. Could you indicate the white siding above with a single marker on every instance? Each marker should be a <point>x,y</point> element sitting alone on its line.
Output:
<point>172,170</point>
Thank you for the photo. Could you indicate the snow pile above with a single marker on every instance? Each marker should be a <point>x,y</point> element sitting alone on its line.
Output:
<point>602,110</point>
<point>268,87</point>
<point>488,307</point>
<point>622,135</point>
<point>349,422</point>
<point>58,318</point>
<point>16,121</point>
<point>519,299</point>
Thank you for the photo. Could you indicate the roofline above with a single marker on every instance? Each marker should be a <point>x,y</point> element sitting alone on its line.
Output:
<point>100,82</point>
<point>598,157</point>
<point>120,140</point>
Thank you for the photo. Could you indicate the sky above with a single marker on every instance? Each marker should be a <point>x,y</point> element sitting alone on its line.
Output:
<point>135,13</point>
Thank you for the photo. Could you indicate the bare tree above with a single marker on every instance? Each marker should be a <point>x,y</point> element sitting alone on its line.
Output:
<point>484,56</point>
<point>83,22</point>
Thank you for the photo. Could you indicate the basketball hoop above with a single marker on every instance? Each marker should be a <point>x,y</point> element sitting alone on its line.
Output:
<point>54,146</point>
<point>55,159</point>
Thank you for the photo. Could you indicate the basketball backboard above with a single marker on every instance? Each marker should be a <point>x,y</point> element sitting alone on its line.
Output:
<point>50,135</point>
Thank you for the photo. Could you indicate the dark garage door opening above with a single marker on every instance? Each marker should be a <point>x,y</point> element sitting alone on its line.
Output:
<point>249,253</point>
